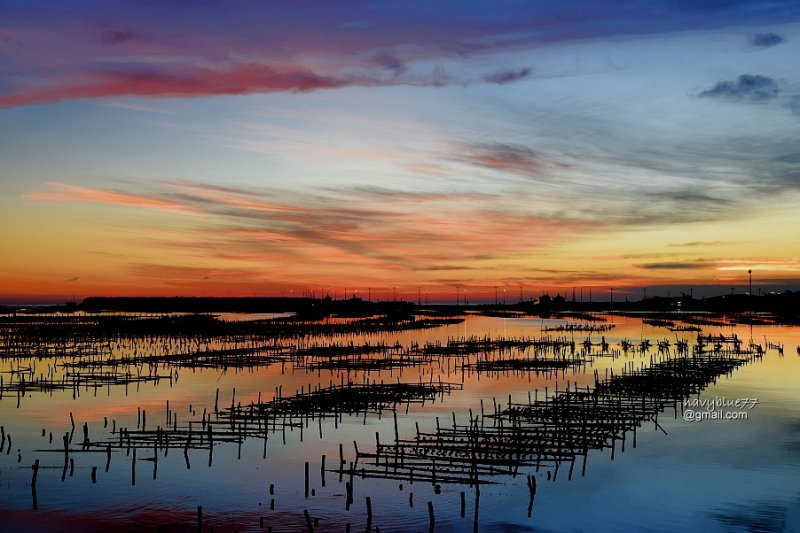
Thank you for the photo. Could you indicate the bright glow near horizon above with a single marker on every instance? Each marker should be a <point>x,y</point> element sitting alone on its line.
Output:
<point>257,149</point>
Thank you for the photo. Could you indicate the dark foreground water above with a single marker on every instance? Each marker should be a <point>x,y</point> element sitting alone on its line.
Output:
<point>736,468</point>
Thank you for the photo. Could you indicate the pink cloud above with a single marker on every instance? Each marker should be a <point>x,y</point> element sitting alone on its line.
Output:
<point>184,82</point>
<point>67,192</point>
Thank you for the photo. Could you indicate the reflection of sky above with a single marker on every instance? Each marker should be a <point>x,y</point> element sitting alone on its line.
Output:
<point>700,470</point>
<point>678,481</point>
<point>246,150</point>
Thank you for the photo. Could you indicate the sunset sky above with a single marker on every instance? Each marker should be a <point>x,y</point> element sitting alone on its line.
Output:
<point>160,147</point>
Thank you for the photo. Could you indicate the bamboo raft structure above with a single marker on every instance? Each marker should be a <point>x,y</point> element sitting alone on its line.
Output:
<point>346,398</point>
<point>23,381</point>
<point>659,323</point>
<point>548,355</point>
<point>258,420</point>
<point>774,346</point>
<point>237,356</point>
<point>337,349</point>
<point>33,336</point>
<point>551,433</point>
<point>684,328</point>
<point>364,364</point>
<point>582,327</point>
<point>475,345</point>
<point>518,365</point>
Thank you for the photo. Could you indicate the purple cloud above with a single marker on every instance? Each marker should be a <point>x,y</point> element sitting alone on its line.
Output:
<point>766,40</point>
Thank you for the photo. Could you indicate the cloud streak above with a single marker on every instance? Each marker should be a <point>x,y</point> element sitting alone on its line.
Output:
<point>500,157</point>
<point>182,82</point>
<point>67,192</point>
<point>674,266</point>
<point>375,230</point>
<point>502,77</point>
<point>120,36</point>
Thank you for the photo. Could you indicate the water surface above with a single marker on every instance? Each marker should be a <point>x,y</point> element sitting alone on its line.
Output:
<point>712,475</point>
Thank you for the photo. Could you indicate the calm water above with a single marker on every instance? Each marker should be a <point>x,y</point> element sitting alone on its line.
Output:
<point>710,475</point>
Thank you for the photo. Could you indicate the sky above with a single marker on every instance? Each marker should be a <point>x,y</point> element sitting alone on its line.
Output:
<point>440,149</point>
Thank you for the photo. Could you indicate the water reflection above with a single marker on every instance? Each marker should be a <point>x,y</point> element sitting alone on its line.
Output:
<point>245,418</point>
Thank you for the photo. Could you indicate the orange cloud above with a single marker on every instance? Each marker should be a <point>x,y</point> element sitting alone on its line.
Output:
<point>66,192</point>
<point>372,235</point>
<point>246,240</point>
